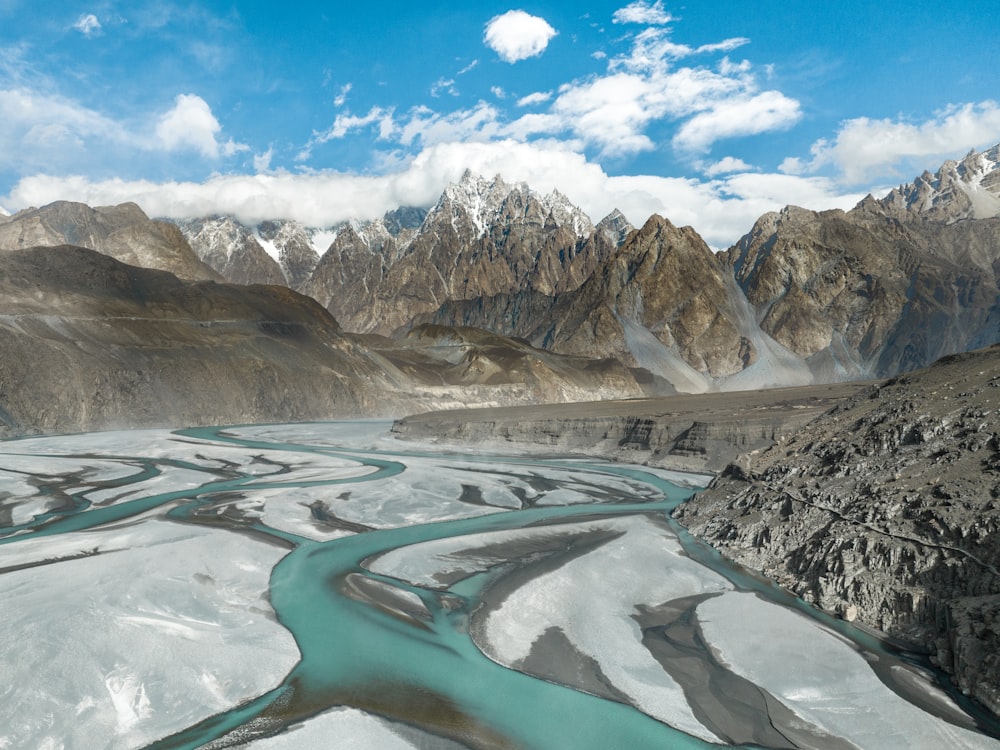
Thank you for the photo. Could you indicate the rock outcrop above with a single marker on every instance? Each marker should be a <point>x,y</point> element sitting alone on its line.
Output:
<point>884,510</point>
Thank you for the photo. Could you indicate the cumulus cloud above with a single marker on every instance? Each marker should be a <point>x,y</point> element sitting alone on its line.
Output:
<point>87,24</point>
<point>721,209</point>
<point>191,125</point>
<point>864,146</point>
<point>643,12</point>
<point>516,35</point>
<point>51,132</point>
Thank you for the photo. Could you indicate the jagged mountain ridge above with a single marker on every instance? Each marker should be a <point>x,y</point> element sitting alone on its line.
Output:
<point>482,238</point>
<point>966,189</point>
<point>805,296</point>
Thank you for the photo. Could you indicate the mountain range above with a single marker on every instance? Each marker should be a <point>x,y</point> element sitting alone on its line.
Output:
<point>499,294</point>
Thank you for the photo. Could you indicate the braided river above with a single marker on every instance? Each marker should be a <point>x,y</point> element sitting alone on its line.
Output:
<point>324,585</point>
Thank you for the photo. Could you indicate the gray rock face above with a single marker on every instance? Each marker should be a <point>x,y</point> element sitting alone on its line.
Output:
<point>232,250</point>
<point>124,232</point>
<point>886,510</point>
<point>966,189</point>
<point>294,245</point>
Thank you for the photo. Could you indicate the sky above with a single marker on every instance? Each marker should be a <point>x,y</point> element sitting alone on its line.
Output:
<point>709,114</point>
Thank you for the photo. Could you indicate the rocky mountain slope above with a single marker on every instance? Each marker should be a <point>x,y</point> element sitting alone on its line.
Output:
<point>124,232</point>
<point>91,343</point>
<point>804,297</point>
<point>885,510</point>
<point>862,294</point>
<point>966,189</point>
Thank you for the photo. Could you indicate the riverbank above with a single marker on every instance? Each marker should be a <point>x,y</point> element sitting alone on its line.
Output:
<point>696,433</point>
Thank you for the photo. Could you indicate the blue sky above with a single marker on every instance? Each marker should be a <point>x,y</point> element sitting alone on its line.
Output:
<point>708,113</point>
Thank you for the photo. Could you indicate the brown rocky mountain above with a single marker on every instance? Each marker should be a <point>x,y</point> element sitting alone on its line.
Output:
<point>662,301</point>
<point>91,343</point>
<point>860,294</point>
<point>477,360</point>
<point>123,232</point>
<point>483,238</point>
<point>885,510</point>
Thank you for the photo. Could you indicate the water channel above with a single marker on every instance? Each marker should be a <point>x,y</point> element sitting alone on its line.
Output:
<point>321,585</point>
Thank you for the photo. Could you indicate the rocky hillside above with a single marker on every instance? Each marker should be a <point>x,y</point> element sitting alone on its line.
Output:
<point>91,343</point>
<point>885,510</point>
<point>804,297</point>
<point>87,342</point>
<point>124,232</point>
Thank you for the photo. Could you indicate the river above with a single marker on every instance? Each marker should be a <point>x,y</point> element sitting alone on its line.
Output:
<point>323,585</point>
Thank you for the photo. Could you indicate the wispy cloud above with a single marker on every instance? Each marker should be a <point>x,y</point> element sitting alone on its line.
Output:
<point>516,35</point>
<point>539,97</point>
<point>347,123</point>
<point>87,24</point>
<point>341,97</point>
<point>726,165</point>
<point>644,13</point>
<point>55,132</point>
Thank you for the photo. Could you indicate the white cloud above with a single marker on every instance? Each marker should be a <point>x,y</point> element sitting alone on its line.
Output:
<point>726,165</point>
<point>262,162</point>
<point>191,125</point>
<point>721,209</point>
<point>345,124</point>
<point>429,128</point>
<point>643,12</point>
<point>444,85</point>
<point>516,35</point>
<point>468,67</point>
<point>539,97</point>
<point>865,147</point>
<point>45,131</point>
<point>341,97</point>
<point>769,110</point>
<point>498,92</point>
<point>87,24</point>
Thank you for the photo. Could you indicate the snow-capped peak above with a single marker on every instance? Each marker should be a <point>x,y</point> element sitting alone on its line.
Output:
<point>480,200</point>
<point>966,189</point>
